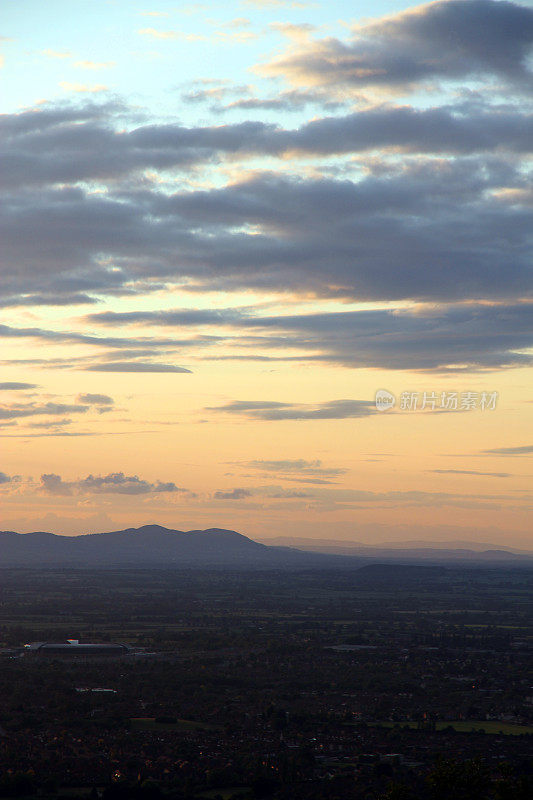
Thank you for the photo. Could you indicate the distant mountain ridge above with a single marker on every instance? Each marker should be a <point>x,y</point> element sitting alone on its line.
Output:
<point>418,549</point>
<point>149,545</point>
<point>156,546</point>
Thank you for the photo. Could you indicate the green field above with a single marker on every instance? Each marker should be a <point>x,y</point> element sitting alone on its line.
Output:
<point>467,726</point>
<point>150,724</point>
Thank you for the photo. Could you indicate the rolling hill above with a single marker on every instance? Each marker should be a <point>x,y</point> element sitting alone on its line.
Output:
<point>156,546</point>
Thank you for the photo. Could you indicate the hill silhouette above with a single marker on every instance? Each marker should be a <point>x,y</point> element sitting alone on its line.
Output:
<point>149,545</point>
<point>156,546</point>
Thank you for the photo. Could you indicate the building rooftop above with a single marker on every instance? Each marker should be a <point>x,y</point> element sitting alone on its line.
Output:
<point>73,645</point>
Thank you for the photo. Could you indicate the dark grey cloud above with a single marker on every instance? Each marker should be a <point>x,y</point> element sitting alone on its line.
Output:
<point>58,431</point>
<point>114,483</point>
<point>4,478</point>
<point>334,409</point>
<point>135,366</point>
<point>49,115</point>
<point>522,450</point>
<point>101,403</point>
<point>429,232</point>
<point>126,347</point>
<point>56,362</point>
<point>15,386</point>
<point>307,479</point>
<point>232,494</point>
<point>290,494</point>
<point>449,40</point>
<point>296,465</point>
<point>53,484</point>
<point>455,337</point>
<point>448,222</point>
<point>296,470</point>
<point>47,300</point>
<point>20,410</point>
<point>459,131</point>
<point>61,337</point>
<point>423,230</point>
<point>471,472</point>
<point>76,150</point>
<point>119,483</point>
<point>55,424</point>
<point>96,399</point>
<point>177,317</point>
<point>270,492</point>
<point>451,337</point>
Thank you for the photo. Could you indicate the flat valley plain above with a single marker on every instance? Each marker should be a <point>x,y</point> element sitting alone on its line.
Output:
<point>348,683</point>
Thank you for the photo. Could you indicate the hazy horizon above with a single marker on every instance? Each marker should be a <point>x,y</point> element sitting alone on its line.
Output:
<point>405,538</point>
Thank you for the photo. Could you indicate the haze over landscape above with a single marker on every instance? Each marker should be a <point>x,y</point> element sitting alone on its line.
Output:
<point>227,226</point>
<point>155,546</point>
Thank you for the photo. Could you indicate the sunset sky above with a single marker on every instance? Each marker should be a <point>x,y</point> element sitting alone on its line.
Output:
<point>226,226</point>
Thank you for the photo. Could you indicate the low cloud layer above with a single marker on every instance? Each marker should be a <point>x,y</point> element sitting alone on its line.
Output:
<point>427,228</point>
<point>96,399</point>
<point>271,410</point>
<point>16,386</point>
<point>134,366</point>
<point>114,483</point>
<point>298,466</point>
<point>232,494</point>
<point>85,403</point>
<point>20,410</point>
<point>471,472</point>
<point>448,40</point>
<point>521,450</point>
<point>69,145</point>
<point>333,499</point>
<point>454,336</point>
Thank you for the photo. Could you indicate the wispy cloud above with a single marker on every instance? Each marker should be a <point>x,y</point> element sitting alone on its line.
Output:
<point>60,54</point>
<point>271,410</point>
<point>83,88</point>
<point>470,472</point>
<point>154,33</point>
<point>16,386</point>
<point>452,337</point>
<point>134,366</point>
<point>232,494</point>
<point>296,465</point>
<point>21,410</point>
<point>521,450</point>
<point>94,65</point>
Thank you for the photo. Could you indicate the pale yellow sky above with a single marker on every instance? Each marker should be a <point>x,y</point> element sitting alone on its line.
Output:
<point>391,469</point>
